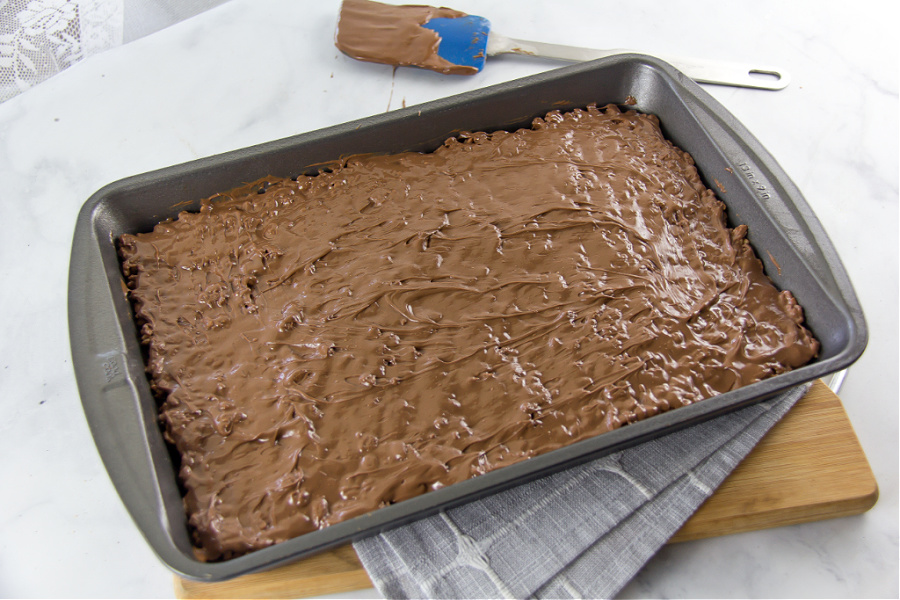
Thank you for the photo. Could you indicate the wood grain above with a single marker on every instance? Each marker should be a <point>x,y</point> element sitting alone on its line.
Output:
<point>809,467</point>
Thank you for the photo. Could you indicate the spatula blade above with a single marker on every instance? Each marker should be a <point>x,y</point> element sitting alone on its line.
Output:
<point>399,36</point>
<point>463,39</point>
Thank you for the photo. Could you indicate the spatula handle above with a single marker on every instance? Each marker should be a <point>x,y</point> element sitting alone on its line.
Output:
<point>700,70</point>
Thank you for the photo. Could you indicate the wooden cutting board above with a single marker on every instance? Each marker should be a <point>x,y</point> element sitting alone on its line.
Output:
<point>809,467</point>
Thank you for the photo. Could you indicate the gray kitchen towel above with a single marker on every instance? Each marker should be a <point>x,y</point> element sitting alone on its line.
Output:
<point>581,533</point>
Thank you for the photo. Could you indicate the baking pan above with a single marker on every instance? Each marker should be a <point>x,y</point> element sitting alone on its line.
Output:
<point>108,361</point>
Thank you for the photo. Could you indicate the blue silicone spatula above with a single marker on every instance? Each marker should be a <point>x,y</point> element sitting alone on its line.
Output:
<point>468,40</point>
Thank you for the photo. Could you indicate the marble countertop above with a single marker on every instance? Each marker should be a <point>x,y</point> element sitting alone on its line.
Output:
<point>251,71</point>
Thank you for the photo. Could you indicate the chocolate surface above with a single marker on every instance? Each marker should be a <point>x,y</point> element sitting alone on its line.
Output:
<point>326,346</point>
<point>394,35</point>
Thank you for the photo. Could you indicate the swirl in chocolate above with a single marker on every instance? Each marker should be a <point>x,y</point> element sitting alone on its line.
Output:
<point>326,346</point>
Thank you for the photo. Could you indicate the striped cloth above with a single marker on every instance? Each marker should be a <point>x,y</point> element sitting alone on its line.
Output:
<point>581,533</point>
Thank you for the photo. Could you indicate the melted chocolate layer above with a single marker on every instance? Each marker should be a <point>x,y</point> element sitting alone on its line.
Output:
<point>394,35</point>
<point>326,346</point>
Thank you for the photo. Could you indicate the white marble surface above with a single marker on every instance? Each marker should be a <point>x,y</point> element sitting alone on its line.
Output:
<point>254,70</point>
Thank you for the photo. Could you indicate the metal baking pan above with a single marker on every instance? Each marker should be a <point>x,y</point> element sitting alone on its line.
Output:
<point>107,357</point>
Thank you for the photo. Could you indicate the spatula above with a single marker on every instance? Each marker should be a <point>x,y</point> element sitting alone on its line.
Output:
<point>459,43</point>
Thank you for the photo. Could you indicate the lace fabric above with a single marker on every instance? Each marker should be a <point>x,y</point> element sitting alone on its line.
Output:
<point>40,38</point>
